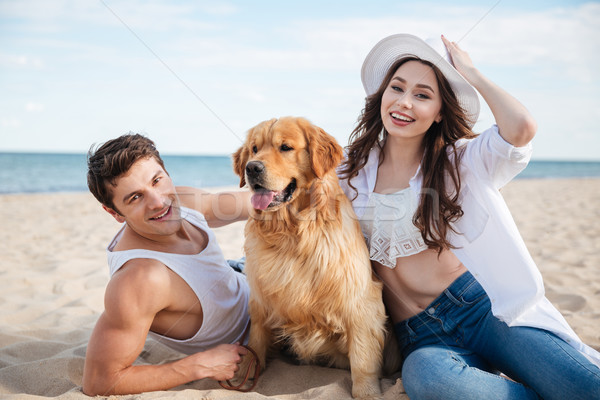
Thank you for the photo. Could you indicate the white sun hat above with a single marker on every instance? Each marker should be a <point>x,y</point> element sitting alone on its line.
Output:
<point>392,48</point>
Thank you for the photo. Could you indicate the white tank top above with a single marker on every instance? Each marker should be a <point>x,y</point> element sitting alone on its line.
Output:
<point>388,228</point>
<point>223,293</point>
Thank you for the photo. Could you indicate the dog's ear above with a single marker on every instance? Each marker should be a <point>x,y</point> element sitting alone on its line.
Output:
<point>325,151</point>
<point>240,159</point>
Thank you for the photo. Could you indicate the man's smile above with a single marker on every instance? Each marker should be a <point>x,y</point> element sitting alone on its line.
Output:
<point>163,214</point>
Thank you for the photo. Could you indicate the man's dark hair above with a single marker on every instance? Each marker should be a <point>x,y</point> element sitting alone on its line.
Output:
<point>113,159</point>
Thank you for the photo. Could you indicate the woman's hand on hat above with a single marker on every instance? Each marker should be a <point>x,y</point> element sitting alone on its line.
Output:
<point>515,123</point>
<point>461,60</point>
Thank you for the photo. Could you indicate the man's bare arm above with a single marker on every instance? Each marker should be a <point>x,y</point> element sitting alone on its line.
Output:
<point>220,208</point>
<point>132,300</point>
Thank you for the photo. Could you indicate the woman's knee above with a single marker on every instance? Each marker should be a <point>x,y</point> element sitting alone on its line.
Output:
<point>450,373</point>
<point>425,373</point>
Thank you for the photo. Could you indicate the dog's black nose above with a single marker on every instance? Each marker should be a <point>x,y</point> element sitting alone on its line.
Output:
<point>255,168</point>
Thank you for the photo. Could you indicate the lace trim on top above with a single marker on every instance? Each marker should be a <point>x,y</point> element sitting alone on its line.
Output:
<point>388,228</point>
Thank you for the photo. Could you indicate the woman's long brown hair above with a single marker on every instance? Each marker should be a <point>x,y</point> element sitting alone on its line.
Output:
<point>438,204</point>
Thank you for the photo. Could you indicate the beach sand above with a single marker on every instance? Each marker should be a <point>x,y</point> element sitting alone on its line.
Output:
<point>53,275</point>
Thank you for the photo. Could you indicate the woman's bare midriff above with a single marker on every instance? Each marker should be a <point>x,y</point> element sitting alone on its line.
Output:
<point>416,281</point>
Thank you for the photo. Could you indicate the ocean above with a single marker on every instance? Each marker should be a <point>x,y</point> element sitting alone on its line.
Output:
<point>51,172</point>
<point>45,172</point>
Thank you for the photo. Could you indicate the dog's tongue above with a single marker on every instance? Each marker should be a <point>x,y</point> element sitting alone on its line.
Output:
<point>261,200</point>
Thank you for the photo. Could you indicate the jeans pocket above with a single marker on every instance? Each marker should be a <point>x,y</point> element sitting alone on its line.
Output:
<point>404,336</point>
<point>472,294</point>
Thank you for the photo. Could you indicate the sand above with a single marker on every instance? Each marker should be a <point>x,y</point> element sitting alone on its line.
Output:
<point>53,274</point>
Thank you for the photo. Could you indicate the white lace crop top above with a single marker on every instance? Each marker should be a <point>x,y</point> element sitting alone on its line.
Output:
<point>388,228</point>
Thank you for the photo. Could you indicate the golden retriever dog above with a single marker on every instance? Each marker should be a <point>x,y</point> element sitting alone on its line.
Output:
<point>311,284</point>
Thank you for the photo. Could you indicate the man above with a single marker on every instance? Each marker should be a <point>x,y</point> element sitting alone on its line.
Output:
<point>168,275</point>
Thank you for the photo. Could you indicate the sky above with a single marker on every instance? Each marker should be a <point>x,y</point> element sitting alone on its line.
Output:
<point>194,76</point>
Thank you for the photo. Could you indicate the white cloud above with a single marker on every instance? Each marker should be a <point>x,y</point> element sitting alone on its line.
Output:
<point>220,9</point>
<point>20,61</point>
<point>156,15</point>
<point>34,107</point>
<point>568,39</point>
<point>159,16</point>
<point>11,123</point>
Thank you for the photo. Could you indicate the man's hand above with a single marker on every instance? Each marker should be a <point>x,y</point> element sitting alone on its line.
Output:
<point>219,363</point>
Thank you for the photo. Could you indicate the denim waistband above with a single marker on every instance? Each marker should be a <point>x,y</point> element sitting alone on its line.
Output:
<point>447,299</point>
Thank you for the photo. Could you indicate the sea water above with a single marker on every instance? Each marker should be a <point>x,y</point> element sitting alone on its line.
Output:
<point>50,172</point>
<point>40,172</point>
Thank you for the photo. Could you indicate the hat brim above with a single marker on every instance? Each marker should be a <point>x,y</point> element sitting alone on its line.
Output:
<point>392,48</point>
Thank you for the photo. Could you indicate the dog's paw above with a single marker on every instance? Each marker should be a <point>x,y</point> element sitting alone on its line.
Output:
<point>367,388</point>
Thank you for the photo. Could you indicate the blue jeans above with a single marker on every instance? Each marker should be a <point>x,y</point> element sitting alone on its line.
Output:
<point>238,265</point>
<point>456,349</point>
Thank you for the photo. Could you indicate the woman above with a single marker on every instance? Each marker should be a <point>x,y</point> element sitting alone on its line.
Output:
<point>465,296</point>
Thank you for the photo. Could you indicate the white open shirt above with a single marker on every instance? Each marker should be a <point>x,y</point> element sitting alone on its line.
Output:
<point>489,243</point>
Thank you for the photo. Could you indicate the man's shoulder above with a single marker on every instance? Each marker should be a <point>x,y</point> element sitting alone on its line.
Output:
<point>140,281</point>
<point>142,270</point>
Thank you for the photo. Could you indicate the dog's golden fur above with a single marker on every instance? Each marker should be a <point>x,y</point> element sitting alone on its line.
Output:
<point>306,260</point>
